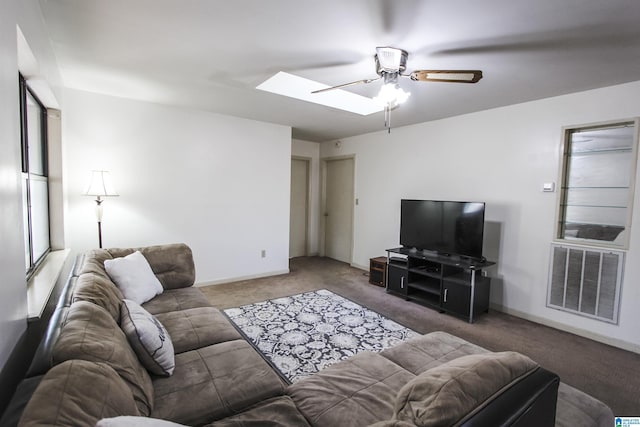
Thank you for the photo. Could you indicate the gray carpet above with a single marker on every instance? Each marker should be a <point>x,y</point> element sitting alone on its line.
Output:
<point>609,374</point>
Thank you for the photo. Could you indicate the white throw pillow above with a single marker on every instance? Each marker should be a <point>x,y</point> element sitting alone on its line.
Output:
<point>148,338</point>
<point>134,277</point>
<point>130,421</point>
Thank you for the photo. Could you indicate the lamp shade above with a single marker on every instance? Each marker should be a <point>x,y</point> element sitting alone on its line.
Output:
<point>100,184</point>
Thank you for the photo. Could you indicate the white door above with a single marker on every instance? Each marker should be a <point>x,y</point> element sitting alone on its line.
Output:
<point>338,213</point>
<point>299,208</point>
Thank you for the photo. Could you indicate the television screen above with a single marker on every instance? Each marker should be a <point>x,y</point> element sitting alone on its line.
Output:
<point>446,227</point>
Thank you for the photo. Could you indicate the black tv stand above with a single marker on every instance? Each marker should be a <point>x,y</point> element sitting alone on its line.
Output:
<point>448,283</point>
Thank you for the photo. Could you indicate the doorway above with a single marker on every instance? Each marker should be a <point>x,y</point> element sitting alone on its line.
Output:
<point>299,211</point>
<point>338,208</point>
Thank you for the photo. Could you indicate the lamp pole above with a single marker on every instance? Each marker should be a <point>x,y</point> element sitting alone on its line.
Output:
<point>100,186</point>
<point>99,218</point>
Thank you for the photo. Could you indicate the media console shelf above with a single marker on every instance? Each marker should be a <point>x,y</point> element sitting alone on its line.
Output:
<point>449,284</point>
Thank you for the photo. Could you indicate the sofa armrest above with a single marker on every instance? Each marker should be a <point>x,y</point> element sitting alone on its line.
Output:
<point>43,358</point>
<point>530,402</point>
<point>23,393</point>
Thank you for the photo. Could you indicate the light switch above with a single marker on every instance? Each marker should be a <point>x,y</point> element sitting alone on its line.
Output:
<point>549,187</point>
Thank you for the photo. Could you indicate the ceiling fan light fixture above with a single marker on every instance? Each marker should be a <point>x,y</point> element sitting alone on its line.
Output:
<point>391,60</point>
<point>391,95</point>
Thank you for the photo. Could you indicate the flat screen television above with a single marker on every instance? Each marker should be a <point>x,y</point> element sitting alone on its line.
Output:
<point>445,227</point>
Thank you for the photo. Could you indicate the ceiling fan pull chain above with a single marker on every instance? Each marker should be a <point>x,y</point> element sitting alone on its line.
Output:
<point>387,118</point>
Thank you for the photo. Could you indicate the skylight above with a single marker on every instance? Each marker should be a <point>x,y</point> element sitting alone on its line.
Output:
<point>300,88</point>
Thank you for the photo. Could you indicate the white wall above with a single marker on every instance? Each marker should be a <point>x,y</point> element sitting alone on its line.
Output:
<point>501,157</point>
<point>13,296</point>
<point>218,183</point>
<point>13,292</point>
<point>311,150</point>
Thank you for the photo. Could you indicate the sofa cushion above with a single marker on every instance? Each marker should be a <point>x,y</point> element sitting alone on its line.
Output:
<point>444,395</point>
<point>195,328</point>
<point>148,338</point>
<point>576,408</point>
<point>425,352</point>
<point>78,393</point>
<point>100,290</point>
<point>89,333</point>
<point>176,300</point>
<point>214,382</point>
<point>358,391</point>
<point>276,412</point>
<point>134,277</point>
<point>171,263</point>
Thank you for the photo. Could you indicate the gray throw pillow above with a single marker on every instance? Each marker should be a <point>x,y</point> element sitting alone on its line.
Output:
<point>148,338</point>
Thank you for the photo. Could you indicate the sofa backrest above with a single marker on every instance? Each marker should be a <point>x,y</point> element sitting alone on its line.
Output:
<point>530,402</point>
<point>172,263</point>
<point>90,333</point>
<point>95,288</point>
<point>78,393</point>
<point>90,282</point>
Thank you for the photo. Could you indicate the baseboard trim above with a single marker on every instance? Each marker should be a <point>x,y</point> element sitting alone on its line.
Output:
<point>242,278</point>
<point>625,345</point>
<point>361,267</point>
<point>307,255</point>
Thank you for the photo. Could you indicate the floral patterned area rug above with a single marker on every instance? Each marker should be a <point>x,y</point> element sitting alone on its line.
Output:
<point>302,334</point>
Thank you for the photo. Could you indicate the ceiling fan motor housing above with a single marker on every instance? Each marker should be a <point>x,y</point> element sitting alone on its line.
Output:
<point>390,60</point>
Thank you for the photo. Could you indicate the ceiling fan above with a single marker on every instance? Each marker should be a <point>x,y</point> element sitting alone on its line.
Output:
<point>391,63</point>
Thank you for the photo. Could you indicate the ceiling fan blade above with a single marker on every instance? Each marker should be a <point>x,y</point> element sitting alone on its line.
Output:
<point>346,84</point>
<point>451,76</point>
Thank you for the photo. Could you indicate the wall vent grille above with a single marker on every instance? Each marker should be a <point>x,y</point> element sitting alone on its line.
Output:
<point>585,281</point>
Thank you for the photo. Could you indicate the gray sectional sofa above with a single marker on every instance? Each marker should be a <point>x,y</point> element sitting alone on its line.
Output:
<point>85,370</point>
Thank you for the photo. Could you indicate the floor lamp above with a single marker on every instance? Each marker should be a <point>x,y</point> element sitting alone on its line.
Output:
<point>100,186</point>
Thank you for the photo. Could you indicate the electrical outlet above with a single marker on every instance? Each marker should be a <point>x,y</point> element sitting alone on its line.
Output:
<point>263,254</point>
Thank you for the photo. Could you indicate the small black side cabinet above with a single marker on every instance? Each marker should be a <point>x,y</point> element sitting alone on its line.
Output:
<point>378,271</point>
<point>449,284</point>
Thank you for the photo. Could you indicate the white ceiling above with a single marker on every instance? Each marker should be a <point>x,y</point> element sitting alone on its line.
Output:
<point>211,54</point>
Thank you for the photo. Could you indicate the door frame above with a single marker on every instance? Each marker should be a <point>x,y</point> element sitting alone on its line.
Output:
<point>307,222</point>
<point>323,202</point>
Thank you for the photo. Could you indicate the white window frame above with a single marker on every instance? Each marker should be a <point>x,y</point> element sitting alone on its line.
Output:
<point>567,131</point>
<point>33,261</point>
